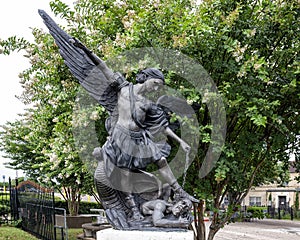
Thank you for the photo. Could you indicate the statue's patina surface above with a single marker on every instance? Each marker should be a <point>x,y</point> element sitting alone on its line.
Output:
<point>137,127</point>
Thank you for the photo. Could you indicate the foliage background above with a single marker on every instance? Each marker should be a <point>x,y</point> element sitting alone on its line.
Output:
<point>250,49</point>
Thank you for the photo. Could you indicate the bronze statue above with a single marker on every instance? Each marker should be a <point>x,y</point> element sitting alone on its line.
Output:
<point>135,126</point>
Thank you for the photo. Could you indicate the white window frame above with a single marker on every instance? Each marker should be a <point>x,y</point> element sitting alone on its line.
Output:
<point>255,201</point>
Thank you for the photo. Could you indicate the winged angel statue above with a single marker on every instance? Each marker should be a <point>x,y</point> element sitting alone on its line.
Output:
<point>131,197</point>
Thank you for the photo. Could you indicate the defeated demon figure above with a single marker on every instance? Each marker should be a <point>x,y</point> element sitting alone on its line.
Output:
<point>165,214</point>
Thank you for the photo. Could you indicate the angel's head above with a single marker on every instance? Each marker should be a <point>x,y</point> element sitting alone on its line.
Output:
<point>151,77</point>
<point>149,73</point>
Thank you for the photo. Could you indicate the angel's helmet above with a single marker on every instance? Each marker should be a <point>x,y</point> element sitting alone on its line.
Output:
<point>149,73</point>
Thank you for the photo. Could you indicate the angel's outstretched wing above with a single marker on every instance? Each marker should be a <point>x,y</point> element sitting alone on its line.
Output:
<point>91,72</point>
<point>177,105</point>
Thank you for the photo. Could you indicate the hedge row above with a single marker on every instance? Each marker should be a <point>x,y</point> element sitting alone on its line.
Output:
<point>257,212</point>
<point>84,207</point>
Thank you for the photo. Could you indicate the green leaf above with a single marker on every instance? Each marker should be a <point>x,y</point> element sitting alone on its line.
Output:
<point>259,120</point>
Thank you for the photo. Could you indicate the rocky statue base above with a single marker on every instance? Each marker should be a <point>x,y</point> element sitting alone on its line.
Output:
<point>112,234</point>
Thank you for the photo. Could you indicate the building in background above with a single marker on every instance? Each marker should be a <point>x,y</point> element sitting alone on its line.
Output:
<point>274,195</point>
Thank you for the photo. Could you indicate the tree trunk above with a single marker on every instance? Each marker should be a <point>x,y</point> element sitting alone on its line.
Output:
<point>199,221</point>
<point>212,233</point>
<point>73,200</point>
<point>214,227</point>
<point>73,207</point>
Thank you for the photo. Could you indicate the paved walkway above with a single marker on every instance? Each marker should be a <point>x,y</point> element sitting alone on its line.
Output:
<point>266,229</point>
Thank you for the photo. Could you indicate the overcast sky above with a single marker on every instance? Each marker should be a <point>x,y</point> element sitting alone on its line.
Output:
<point>16,18</point>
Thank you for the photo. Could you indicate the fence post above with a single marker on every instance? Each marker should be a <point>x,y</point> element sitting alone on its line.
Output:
<point>10,198</point>
<point>54,221</point>
<point>279,217</point>
<point>17,203</point>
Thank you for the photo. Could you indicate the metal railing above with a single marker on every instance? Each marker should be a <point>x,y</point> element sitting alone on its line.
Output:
<point>34,206</point>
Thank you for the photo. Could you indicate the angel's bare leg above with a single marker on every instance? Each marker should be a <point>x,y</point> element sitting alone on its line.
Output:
<point>168,175</point>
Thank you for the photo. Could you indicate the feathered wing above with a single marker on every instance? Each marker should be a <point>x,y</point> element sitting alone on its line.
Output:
<point>92,73</point>
<point>177,105</point>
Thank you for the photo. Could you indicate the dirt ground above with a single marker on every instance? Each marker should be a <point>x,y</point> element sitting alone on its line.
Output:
<point>260,230</point>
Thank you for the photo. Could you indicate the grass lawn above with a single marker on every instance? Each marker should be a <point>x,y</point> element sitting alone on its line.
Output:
<point>13,233</point>
<point>7,233</point>
<point>73,233</point>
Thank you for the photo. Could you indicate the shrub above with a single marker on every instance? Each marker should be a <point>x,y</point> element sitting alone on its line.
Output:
<point>257,212</point>
<point>84,207</point>
<point>4,204</point>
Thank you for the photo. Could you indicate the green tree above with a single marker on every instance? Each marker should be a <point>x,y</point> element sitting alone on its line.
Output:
<point>251,50</point>
<point>41,142</point>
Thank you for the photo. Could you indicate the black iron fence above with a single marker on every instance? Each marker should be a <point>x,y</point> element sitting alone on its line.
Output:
<point>8,213</point>
<point>253,213</point>
<point>4,207</point>
<point>282,213</point>
<point>34,207</point>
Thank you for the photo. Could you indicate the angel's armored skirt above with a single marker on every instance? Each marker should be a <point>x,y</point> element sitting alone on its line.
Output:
<point>132,149</point>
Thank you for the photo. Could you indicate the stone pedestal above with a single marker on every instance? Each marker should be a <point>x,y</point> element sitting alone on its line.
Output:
<point>72,221</point>
<point>112,234</point>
